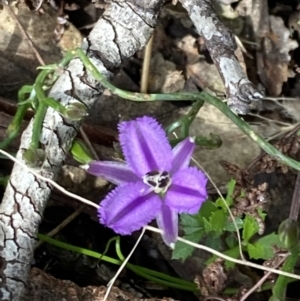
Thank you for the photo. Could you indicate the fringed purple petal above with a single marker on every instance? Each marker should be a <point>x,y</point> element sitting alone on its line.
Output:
<point>182,154</point>
<point>167,221</point>
<point>115,172</point>
<point>145,145</point>
<point>187,191</point>
<point>129,207</point>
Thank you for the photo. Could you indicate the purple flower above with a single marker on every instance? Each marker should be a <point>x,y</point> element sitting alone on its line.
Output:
<point>155,181</point>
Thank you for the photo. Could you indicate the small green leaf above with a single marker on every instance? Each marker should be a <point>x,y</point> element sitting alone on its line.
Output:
<point>231,241</point>
<point>250,228</point>
<point>75,111</point>
<point>217,220</point>
<point>234,253</point>
<point>182,250</point>
<point>262,248</point>
<point>220,204</point>
<point>229,201</point>
<point>191,223</point>
<point>207,225</point>
<point>80,152</point>
<point>192,230</point>
<point>229,225</point>
<point>214,141</point>
<point>214,242</point>
<point>257,251</point>
<point>187,220</point>
<point>270,240</point>
<point>207,208</point>
<point>261,213</point>
<point>34,157</point>
<point>230,190</point>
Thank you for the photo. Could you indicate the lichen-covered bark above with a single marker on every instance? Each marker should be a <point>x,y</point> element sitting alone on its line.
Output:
<point>124,28</point>
<point>220,42</point>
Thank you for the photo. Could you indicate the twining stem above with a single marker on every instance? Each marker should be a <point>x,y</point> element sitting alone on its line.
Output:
<point>185,121</point>
<point>189,118</point>
<point>14,127</point>
<point>41,109</point>
<point>267,147</point>
<point>184,124</point>
<point>35,91</point>
<point>41,96</point>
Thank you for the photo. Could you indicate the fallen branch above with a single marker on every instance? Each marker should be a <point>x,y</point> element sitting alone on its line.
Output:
<point>221,45</point>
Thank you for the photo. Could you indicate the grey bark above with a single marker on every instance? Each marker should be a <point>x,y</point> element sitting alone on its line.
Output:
<point>221,45</point>
<point>124,28</point>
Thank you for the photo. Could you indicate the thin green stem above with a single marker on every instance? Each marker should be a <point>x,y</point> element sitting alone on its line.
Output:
<point>79,250</point>
<point>55,105</point>
<point>15,125</point>
<point>42,106</point>
<point>146,273</point>
<point>24,103</point>
<point>37,126</point>
<point>116,238</point>
<point>154,276</point>
<point>184,124</point>
<point>185,121</point>
<point>41,109</point>
<point>267,147</point>
<point>151,272</point>
<point>163,282</point>
<point>189,118</point>
<point>280,286</point>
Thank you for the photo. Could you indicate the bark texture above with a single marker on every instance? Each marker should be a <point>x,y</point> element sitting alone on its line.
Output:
<point>221,45</point>
<point>124,28</point>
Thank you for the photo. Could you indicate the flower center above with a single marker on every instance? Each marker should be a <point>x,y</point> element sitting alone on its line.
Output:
<point>159,180</point>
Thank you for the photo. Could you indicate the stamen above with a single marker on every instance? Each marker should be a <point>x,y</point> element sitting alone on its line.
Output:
<point>153,173</point>
<point>160,181</point>
<point>163,182</point>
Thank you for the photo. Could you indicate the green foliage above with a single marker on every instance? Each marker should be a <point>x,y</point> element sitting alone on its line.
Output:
<point>182,250</point>
<point>250,227</point>
<point>214,227</point>
<point>210,222</point>
<point>262,248</point>
<point>289,233</point>
<point>34,157</point>
<point>234,252</point>
<point>217,221</point>
<point>230,227</point>
<point>80,152</point>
